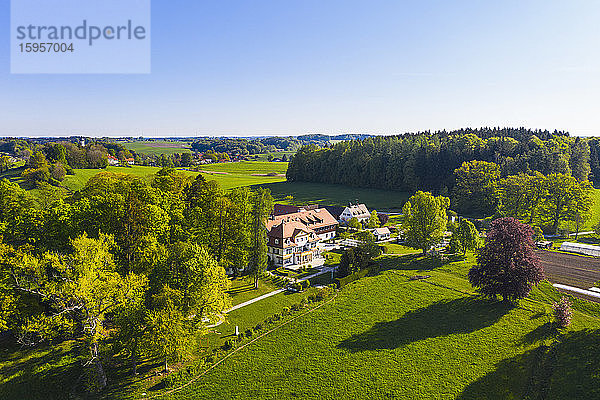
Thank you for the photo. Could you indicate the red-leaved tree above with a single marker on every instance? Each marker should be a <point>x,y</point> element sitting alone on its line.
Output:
<point>507,264</point>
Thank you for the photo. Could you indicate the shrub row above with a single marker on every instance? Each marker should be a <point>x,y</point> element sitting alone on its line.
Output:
<point>195,368</point>
<point>340,282</point>
<point>300,286</point>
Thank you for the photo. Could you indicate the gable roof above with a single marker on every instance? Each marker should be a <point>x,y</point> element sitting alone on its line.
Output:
<point>358,209</point>
<point>382,231</point>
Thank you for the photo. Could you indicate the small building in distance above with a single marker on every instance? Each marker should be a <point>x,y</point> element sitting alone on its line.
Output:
<point>112,160</point>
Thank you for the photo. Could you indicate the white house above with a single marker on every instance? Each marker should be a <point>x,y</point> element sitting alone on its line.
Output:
<point>358,211</point>
<point>381,233</point>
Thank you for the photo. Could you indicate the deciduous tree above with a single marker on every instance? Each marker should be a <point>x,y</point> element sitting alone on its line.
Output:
<point>425,220</point>
<point>475,189</point>
<point>507,264</point>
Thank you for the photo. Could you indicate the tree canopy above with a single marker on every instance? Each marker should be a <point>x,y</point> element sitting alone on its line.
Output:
<point>425,220</point>
<point>507,264</point>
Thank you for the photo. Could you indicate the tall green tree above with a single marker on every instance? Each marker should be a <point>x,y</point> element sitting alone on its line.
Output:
<point>475,190</point>
<point>373,220</point>
<point>465,237</point>
<point>262,207</point>
<point>425,220</point>
<point>566,200</point>
<point>520,196</point>
<point>170,332</point>
<point>580,159</point>
<point>78,290</point>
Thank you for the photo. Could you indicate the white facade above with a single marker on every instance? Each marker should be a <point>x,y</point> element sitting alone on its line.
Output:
<point>358,211</point>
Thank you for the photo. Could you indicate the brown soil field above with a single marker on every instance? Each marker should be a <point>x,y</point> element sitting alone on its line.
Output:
<point>573,270</point>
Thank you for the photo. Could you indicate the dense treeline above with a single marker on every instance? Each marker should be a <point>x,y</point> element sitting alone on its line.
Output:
<point>270,144</point>
<point>427,161</point>
<point>244,146</point>
<point>546,201</point>
<point>132,266</point>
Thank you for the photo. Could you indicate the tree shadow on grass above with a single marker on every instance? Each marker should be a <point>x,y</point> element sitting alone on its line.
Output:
<point>44,376</point>
<point>569,369</point>
<point>413,262</point>
<point>447,317</point>
<point>542,332</point>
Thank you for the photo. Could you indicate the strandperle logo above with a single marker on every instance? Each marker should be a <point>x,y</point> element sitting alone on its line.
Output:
<point>80,36</point>
<point>85,31</point>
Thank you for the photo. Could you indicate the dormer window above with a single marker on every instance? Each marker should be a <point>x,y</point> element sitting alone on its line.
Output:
<point>276,241</point>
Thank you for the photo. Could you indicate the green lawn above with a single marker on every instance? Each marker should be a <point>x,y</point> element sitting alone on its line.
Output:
<point>303,192</point>
<point>595,211</point>
<point>242,289</point>
<point>158,147</point>
<point>248,167</point>
<point>393,248</point>
<point>388,337</point>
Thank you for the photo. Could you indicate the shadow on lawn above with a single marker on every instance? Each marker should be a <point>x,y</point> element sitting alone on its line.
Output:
<point>569,369</point>
<point>45,376</point>
<point>413,262</point>
<point>542,332</point>
<point>447,317</point>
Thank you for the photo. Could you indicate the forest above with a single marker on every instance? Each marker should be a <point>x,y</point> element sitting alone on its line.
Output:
<point>427,160</point>
<point>130,266</point>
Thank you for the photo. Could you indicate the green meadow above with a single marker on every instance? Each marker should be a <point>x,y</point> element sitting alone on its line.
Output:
<point>158,147</point>
<point>338,195</point>
<point>229,175</point>
<point>386,336</point>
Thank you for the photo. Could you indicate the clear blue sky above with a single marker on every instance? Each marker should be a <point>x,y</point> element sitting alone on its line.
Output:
<point>324,66</point>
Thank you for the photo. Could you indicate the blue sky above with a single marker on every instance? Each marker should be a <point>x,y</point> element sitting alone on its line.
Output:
<point>328,66</point>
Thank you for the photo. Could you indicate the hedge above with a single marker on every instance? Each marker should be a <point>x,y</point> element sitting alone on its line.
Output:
<point>351,278</point>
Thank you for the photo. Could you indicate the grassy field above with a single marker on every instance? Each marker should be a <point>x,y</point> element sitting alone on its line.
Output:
<point>303,192</point>
<point>384,336</point>
<point>248,167</point>
<point>229,175</point>
<point>595,211</point>
<point>158,147</point>
<point>388,337</point>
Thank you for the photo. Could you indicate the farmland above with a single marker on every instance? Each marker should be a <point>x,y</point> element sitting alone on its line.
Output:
<point>229,175</point>
<point>158,147</point>
<point>570,269</point>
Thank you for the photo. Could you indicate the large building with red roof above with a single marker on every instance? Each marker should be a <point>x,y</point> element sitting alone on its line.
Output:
<point>293,236</point>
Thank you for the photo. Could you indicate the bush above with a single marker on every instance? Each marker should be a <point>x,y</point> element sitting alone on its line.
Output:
<point>323,293</point>
<point>562,312</point>
<point>283,271</point>
<point>351,278</point>
<point>295,307</point>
